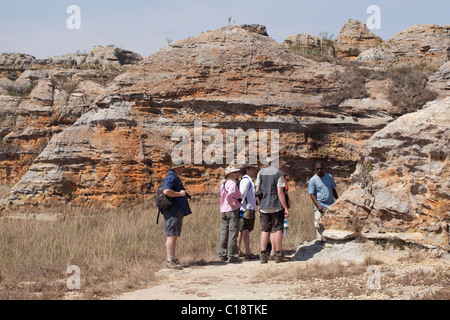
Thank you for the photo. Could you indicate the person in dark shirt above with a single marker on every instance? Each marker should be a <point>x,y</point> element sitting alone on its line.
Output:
<point>173,218</point>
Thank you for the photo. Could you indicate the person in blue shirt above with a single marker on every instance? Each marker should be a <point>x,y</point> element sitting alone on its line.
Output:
<point>322,190</point>
<point>173,218</point>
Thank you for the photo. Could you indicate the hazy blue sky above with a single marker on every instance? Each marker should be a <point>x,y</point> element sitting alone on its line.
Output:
<point>39,27</point>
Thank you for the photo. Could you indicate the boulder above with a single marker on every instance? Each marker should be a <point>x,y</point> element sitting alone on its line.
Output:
<point>401,185</point>
<point>110,57</point>
<point>440,81</point>
<point>427,43</point>
<point>355,38</point>
<point>16,61</point>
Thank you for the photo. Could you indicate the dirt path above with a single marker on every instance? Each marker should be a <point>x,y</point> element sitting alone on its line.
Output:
<point>328,272</point>
<point>214,282</point>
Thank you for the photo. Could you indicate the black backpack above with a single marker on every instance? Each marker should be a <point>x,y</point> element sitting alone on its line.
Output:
<point>162,201</point>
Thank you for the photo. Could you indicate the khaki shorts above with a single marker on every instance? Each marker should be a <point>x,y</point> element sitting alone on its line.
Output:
<point>248,221</point>
<point>319,226</point>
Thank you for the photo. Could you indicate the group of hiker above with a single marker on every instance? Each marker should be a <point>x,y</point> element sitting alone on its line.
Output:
<point>241,201</point>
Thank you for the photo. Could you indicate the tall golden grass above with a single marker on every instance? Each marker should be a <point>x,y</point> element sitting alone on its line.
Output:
<point>117,250</point>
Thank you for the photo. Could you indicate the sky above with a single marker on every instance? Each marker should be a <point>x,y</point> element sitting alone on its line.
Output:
<point>40,28</point>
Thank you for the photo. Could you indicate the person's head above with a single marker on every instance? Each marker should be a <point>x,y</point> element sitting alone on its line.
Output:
<point>278,162</point>
<point>320,168</point>
<point>283,165</point>
<point>231,172</point>
<point>177,168</point>
<point>249,170</point>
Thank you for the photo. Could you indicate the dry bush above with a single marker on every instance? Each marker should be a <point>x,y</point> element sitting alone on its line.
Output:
<point>352,85</point>
<point>409,90</point>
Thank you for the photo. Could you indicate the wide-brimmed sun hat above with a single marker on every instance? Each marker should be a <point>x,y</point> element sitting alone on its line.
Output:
<point>230,169</point>
<point>176,166</point>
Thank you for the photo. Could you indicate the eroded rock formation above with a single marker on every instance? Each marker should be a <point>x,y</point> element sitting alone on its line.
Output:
<point>41,97</point>
<point>231,78</point>
<point>428,43</point>
<point>355,38</point>
<point>401,186</point>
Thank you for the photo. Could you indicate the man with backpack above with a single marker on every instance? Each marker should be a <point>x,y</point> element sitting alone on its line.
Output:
<point>248,209</point>
<point>272,207</point>
<point>174,190</point>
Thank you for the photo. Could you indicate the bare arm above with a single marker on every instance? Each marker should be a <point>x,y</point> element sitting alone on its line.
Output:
<point>258,201</point>
<point>174,194</point>
<point>282,197</point>
<point>319,207</point>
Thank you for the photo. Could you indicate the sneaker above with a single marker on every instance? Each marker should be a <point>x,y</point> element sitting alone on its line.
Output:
<point>174,265</point>
<point>223,258</point>
<point>263,257</point>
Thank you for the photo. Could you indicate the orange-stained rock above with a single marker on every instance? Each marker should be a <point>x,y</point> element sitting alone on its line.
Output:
<point>231,78</point>
<point>355,38</point>
<point>42,97</point>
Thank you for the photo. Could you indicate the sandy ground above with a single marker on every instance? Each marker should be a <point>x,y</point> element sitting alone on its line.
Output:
<point>316,271</point>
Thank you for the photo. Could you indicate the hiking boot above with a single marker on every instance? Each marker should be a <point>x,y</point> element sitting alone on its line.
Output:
<point>279,257</point>
<point>272,256</point>
<point>234,260</point>
<point>263,257</point>
<point>174,265</point>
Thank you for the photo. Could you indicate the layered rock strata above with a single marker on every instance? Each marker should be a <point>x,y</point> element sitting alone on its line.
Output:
<point>232,78</point>
<point>401,186</point>
<point>428,44</point>
<point>41,97</point>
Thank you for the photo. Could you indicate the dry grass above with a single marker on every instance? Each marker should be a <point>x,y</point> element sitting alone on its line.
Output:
<point>117,250</point>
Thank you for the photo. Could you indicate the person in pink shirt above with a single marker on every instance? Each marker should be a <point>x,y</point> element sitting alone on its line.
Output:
<point>230,204</point>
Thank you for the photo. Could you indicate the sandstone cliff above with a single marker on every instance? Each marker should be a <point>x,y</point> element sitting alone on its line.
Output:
<point>42,97</point>
<point>401,186</point>
<point>231,78</point>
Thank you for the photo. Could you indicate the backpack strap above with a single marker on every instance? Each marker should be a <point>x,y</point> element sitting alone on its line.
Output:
<point>157,217</point>
<point>248,187</point>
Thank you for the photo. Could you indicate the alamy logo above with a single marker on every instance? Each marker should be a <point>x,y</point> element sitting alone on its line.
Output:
<point>73,22</point>
<point>235,146</point>
<point>374,21</point>
<point>374,278</point>
<point>74,280</point>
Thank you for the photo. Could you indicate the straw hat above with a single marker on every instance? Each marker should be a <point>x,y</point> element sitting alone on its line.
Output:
<point>175,166</point>
<point>231,169</point>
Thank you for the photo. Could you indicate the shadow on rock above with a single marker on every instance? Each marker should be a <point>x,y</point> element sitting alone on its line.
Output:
<point>308,249</point>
